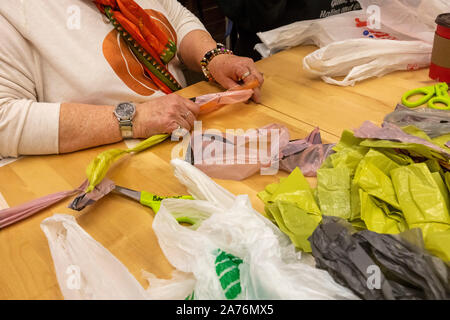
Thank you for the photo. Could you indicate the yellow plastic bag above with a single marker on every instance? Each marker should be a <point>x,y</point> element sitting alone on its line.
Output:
<point>98,167</point>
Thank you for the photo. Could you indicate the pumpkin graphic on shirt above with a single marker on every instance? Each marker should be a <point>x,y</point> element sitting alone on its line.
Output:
<point>125,64</point>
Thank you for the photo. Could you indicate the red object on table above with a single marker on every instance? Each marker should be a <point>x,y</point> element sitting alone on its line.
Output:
<point>440,60</point>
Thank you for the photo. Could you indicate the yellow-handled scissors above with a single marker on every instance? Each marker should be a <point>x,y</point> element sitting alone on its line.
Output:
<point>437,97</point>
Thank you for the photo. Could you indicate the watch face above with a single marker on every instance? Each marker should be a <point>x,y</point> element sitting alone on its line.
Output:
<point>125,110</point>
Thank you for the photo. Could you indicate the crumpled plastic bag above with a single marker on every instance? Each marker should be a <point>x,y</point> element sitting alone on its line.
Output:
<point>235,253</point>
<point>374,58</point>
<point>308,154</point>
<point>433,122</point>
<point>292,205</point>
<point>379,266</point>
<point>423,197</point>
<point>87,271</point>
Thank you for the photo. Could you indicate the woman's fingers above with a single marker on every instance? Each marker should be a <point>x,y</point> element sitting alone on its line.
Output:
<point>192,107</point>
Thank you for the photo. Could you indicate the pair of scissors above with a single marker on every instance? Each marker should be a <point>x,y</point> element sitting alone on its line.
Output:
<point>152,201</point>
<point>435,96</point>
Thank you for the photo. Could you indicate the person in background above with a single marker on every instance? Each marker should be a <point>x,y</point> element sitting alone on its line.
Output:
<point>76,74</point>
<point>252,16</point>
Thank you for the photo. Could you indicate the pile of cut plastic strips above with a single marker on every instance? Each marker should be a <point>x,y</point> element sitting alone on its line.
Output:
<point>382,186</point>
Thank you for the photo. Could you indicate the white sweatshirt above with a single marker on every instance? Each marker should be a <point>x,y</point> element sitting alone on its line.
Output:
<point>55,51</point>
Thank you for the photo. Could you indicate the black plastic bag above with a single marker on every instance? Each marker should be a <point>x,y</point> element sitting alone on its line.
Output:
<point>379,266</point>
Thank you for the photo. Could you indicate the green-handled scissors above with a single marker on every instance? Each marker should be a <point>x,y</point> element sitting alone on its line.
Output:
<point>434,95</point>
<point>153,201</point>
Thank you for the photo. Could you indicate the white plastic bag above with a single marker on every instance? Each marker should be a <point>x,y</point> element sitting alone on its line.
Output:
<point>87,271</point>
<point>84,268</point>
<point>360,59</point>
<point>413,18</point>
<point>234,252</point>
<point>364,51</point>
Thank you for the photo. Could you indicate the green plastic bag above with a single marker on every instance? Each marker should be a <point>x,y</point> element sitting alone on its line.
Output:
<point>98,167</point>
<point>438,243</point>
<point>295,222</point>
<point>296,189</point>
<point>373,213</point>
<point>334,192</point>
<point>373,181</point>
<point>423,202</point>
<point>413,148</point>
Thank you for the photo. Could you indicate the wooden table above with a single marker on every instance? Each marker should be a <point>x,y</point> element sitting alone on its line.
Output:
<point>125,227</point>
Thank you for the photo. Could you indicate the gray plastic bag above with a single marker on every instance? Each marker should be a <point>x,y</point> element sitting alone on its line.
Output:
<point>433,122</point>
<point>379,266</point>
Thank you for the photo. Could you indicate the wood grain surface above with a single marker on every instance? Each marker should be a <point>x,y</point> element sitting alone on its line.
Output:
<point>124,227</point>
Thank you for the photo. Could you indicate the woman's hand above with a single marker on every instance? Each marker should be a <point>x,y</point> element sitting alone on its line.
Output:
<point>164,115</point>
<point>228,70</point>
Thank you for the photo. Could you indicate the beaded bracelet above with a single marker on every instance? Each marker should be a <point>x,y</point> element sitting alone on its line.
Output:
<point>209,56</point>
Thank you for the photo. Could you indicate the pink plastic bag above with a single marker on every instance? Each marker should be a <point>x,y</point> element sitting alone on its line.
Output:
<point>308,154</point>
<point>236,157</point>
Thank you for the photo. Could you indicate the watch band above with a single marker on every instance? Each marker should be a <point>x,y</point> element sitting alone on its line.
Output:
<point>126,128</point>
<point>124,113</point>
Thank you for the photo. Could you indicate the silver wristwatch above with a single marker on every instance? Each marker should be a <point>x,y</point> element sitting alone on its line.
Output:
<point>125,112</point>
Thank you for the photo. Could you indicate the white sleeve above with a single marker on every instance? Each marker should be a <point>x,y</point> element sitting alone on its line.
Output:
<point>181,18</point>
<point>26,125</point>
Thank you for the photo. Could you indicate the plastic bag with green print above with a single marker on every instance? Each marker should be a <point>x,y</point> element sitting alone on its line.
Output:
<point>233,251</point>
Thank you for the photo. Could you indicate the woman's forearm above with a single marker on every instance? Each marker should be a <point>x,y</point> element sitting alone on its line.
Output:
<point>83,126</point>
<point>194,46</point>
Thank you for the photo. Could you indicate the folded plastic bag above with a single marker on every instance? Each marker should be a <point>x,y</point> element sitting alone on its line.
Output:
<point>236,157</point>
<point>424,203</point>
<point>379,266</point>
<point>433,122</point>
<point>373,59</point>
<point>373,181</point>
<point>235,253</point>
<point>334,192</point>
<point>390,132</point>
<point>292,205</point>
<point>308,154</point>
<point>378,218</point>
